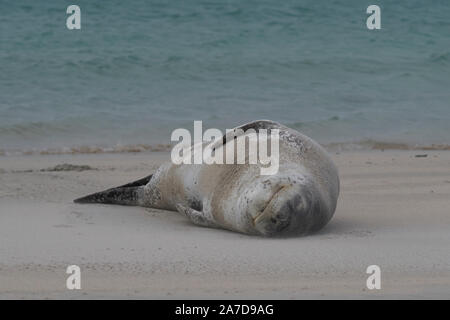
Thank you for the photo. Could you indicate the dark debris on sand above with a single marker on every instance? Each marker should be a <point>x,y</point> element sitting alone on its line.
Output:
<point>68,167</point>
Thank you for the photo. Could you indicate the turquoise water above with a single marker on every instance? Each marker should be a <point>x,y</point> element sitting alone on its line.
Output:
<point>139,69</point>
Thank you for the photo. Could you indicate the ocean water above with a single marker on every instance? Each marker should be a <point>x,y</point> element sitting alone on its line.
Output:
<point>139,69</point>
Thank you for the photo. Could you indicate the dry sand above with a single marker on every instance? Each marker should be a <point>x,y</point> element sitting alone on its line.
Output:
<point>394,211</point>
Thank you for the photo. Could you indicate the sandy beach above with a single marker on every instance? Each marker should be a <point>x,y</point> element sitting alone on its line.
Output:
<point>393,211</point>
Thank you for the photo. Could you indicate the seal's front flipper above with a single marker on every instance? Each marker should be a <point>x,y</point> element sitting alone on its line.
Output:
<point>195,216</point>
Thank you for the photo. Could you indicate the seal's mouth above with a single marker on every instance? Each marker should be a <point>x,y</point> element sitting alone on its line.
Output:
<point>269,205</point>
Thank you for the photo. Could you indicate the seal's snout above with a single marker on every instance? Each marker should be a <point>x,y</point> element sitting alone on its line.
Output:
<point>277,216</point>
<point>292,210</point>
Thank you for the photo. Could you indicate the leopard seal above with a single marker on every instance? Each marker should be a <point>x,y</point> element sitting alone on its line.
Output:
<point>299,199</point>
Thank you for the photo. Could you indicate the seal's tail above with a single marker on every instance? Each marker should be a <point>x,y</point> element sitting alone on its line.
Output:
<point>127,194</point>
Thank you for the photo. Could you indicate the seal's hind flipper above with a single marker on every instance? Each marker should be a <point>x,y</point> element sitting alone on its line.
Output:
<point>138,183</point>
<point>127,196</point>
<point>195,216</point>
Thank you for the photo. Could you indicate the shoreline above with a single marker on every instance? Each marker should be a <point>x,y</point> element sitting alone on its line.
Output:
<point>392,211</point>
<point>363,145</point>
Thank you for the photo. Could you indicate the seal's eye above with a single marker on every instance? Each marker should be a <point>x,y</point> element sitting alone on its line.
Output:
<point>274,221</point>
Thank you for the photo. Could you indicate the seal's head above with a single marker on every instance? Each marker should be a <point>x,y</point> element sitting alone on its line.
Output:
<point>279,206</point>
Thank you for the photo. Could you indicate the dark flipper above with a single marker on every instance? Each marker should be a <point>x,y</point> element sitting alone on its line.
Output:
<point>127,194</point>
<point>137,183</point>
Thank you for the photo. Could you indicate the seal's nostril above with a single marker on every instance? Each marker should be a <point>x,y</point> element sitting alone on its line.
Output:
<point>273,220</point>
